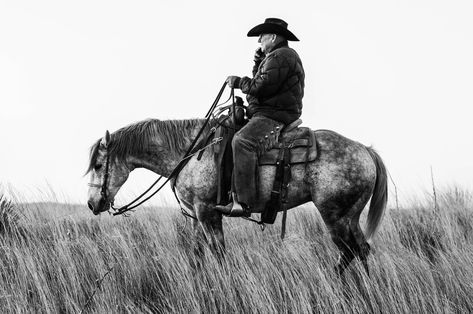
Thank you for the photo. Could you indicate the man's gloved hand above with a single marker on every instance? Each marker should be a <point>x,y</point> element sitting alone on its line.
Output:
<point>259,55</point>
<point>233,81</point>
<point>258,58</point>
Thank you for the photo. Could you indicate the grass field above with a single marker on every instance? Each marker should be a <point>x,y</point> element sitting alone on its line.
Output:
<point>59,258</point>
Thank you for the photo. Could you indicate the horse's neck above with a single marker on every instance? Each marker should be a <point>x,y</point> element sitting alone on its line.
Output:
<point>162,165</point>
<point>162,154</point>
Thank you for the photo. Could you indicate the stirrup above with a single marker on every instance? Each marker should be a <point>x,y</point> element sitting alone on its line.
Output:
<point>229,211</point>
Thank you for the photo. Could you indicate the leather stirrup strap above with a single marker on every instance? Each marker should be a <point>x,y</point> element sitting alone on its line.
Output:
<point>285,181</point>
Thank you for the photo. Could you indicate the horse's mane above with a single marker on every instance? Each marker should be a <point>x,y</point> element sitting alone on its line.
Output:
<point>135,138</point>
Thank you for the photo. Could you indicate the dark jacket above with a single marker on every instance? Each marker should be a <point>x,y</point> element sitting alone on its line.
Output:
<point>277,87</point>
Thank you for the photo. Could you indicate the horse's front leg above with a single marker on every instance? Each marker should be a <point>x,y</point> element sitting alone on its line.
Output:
<point>199,238</point>
<point>211,223</point>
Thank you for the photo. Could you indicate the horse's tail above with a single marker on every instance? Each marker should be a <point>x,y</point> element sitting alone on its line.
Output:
<point>379,198</point>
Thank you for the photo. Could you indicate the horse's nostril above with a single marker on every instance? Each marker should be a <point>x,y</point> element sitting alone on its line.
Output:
<point>91,207</point>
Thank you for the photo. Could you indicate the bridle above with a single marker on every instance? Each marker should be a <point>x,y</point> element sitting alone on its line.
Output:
<point>103,187</point>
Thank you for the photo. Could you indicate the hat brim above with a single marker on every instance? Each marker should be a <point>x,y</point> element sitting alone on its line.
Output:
<point>267,28</point>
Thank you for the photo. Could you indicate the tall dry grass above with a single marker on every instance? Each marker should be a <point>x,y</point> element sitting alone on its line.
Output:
<point>59,258</point>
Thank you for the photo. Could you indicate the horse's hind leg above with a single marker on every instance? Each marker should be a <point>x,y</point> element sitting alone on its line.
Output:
<point>345,231</point>
<point>363,247</point>
<point>351,242</point>
<point>343,239</point>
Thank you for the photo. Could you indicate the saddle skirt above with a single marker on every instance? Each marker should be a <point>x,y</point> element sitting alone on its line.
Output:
<point>299,140</point>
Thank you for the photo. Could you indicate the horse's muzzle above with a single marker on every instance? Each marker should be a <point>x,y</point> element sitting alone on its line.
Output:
<point>102,206</point>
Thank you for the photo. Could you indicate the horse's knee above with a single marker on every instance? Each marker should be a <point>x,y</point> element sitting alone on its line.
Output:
<point>213,230</point>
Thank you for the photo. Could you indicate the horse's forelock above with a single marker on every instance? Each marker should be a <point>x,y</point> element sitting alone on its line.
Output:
<point>94,153</point>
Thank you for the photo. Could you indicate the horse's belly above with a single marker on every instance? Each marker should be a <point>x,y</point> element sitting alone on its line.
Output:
<point>298,190</point>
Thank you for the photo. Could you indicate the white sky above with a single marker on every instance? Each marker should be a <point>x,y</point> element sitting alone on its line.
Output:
<point>397,75</point>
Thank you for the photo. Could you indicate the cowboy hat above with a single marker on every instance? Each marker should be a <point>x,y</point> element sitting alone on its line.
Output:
<point>272,26</point>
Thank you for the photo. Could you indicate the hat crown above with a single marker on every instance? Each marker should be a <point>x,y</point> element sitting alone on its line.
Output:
<point>273,20</point>
<point>273,25</point>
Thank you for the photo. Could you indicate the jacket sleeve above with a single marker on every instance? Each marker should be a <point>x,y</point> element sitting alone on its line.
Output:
<point>268,79</point>
<point>255,68</point>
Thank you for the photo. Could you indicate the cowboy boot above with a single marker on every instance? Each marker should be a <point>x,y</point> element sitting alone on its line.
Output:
<point>234,209</point>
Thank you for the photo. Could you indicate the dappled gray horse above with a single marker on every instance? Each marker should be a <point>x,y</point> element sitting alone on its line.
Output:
<point>339,182</point>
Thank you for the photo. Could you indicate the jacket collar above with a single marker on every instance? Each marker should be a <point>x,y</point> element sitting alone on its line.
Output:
<point>279,45</point>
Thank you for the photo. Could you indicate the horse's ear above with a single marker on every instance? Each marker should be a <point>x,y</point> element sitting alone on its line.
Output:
<point>105,139</point>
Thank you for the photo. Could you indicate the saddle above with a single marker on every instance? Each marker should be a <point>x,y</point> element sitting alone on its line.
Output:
<point>295,145</point>
<point>298,140</point>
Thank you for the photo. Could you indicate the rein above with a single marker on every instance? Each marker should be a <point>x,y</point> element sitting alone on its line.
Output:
<point>189,153</point>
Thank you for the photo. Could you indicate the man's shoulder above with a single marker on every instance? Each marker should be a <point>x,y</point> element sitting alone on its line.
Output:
<point>284,52</point>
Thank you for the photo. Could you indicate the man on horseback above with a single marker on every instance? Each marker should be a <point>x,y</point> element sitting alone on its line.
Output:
<point>274,96</point>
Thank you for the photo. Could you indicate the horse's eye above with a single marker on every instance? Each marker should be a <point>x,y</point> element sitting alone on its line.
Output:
<point>97,167</point>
